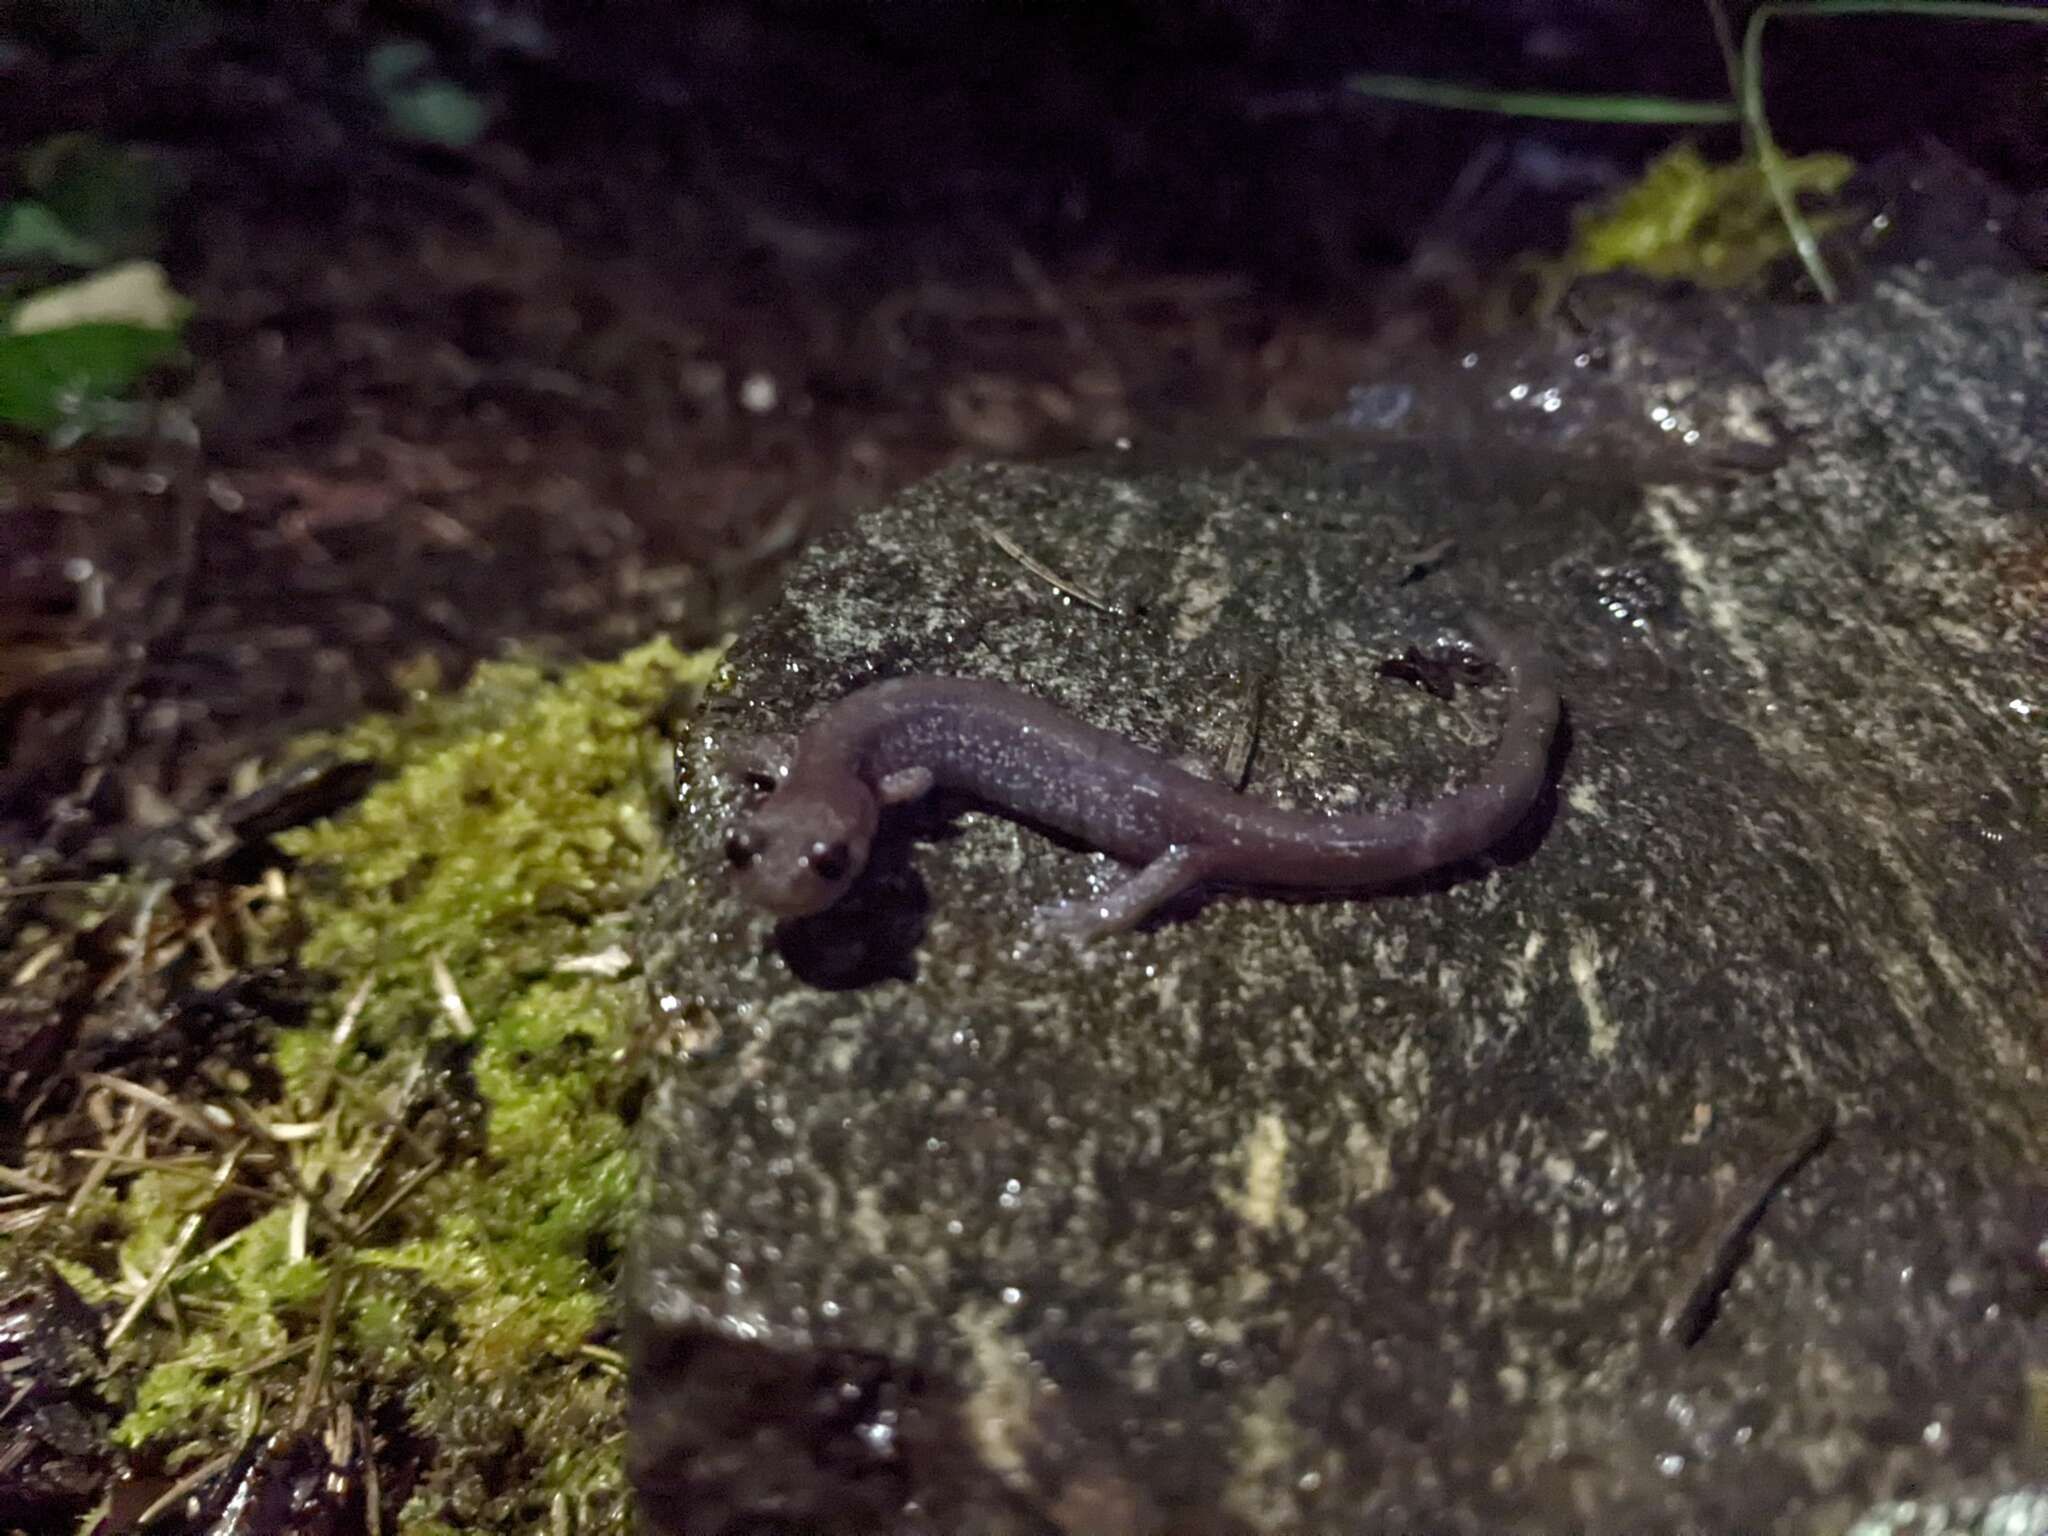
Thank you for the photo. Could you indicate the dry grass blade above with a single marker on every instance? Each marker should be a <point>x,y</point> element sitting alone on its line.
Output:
<point>373,1519</point>
<point>253,1126</point>
<point>28,1185</point>
<point>345,1026</point>
<point>315,1378</point>
<point>406,1186</point>
<point>451,1000</point>
<point>187,1230</point>
<point>14,1402</point>
<point>149,1098</point>
<point>182,1489</point>
<point>1046,573</point>
<point>121,1147</point>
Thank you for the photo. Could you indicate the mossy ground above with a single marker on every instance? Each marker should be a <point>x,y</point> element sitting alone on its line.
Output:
<point>1688,219</point>
<point>414,1207</point>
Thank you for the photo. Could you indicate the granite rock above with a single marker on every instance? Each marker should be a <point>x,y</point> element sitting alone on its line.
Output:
<point>1676,1166</point>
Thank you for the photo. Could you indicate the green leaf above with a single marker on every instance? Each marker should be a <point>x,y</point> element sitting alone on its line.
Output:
<point>392,65</point>
<point>49,377</point>
<point>419,104</point>
<point>436,112</point>
<point>30,232</point>
<point>102,194</point>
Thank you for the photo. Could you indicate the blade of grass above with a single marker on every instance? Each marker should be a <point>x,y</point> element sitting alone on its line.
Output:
<point>1769,159</point>
<point>1547,104</point>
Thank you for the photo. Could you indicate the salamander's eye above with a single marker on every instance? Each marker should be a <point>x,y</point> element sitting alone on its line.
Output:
<point>830,861</point>
<point>740,850</point>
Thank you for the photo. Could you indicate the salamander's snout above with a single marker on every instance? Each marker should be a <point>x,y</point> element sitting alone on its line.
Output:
<point>797,854</point>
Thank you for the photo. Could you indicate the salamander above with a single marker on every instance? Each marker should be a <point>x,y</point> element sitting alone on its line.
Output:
<point>892,742</point>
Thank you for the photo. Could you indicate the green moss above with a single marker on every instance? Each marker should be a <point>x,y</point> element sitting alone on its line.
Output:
<point>245,1299</point>
<point>1686,219</point>
<point>515,832</point>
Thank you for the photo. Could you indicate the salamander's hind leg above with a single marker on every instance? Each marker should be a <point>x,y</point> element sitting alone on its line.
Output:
<point>1122,907</point>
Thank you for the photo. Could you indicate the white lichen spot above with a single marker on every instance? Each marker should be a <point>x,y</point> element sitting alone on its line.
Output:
<point>1521,972</point>
<point>1261,1493</point>
<point>1370,1161</point>
<point>1584,963</point>
<point>869,1224</point>
<point>1003,1381</point>
<point>1262,1202</point>
<point>1203,578</point>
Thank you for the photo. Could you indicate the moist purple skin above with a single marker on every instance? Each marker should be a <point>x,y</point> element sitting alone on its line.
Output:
<point>803,846</point>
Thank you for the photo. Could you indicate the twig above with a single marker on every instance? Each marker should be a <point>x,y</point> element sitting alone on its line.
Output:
<point>20,1397</point>
<point>1046,573</point>
<point>149,1098</point>
<point>44,888</point>
<point>189,1169</point>
<point>323,1346</point>
<point>135,964</point>
<point>200,1260</point>
<point>392,1130</point>
<point>39,961</point>
<point>1688,1321</point>
<point>275,1358</point>
<point>1245,736</point>
<point>373,1516</point>
<point>406,1186</point>
<point>28,1184</point>
<point>181,1489</point>
<point>123,1144</point>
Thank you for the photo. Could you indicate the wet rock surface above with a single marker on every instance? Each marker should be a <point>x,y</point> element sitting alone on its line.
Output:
<point>1677,1165</point>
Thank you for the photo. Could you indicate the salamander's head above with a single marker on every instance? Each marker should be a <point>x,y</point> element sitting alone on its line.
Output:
<point>800,849</point>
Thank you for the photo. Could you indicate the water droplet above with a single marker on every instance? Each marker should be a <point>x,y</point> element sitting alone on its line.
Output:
<point>878,1437</point>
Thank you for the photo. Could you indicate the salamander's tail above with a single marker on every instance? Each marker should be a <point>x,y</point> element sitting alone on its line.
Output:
<point>1484,812</point>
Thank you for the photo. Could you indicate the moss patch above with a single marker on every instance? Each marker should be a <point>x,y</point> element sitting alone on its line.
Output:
<point>1689,220</point>
<point>439,1175</point>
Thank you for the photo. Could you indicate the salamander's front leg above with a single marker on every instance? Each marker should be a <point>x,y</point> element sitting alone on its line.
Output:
<point>1122,907</point>
<point>904,786</point>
